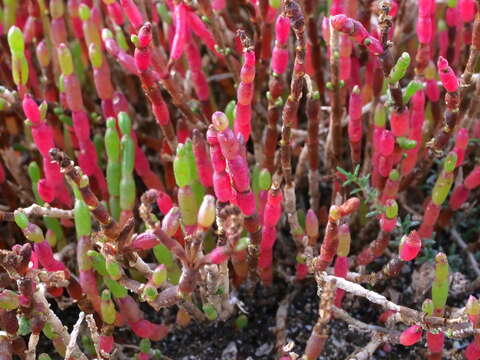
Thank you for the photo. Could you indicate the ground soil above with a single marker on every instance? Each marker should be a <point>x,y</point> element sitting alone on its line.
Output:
<point>223,341</point>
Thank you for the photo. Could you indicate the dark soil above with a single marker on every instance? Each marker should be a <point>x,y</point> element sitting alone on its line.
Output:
<point>210,341</point>
<point>219,340</point>
<point>257,340</point>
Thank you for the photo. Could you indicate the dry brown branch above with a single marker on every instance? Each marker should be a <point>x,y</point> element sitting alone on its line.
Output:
<point>368,350</point>
<point>404,314</point>
<point>471,258</point>
<point>92,326</point>
<point>334,139</point>
<point>72,343</point>
<point>320,332</point>
<point>281,320</point>
<point>32,346</point>
<point>393,335</point>
<point>56,324</point>
<point>391,269</point>
<point>37,210</point>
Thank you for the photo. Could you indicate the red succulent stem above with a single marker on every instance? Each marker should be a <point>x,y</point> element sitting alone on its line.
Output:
<point>276,86</point>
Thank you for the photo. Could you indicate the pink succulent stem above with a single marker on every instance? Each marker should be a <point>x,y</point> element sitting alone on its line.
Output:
<point>355,124</point>
<point>46,258</point>
<point>198,76</point>
<point>473,349</point>
<point>180,38</point>
<point>58,31</point>
<point>148,330</point>
<point>337,7</point>
<point>424,21</point>
<point>202,159</point>
<point>280,53</point>
<point>447,76</point>
<point>116,14</point>
<point>411,336</point>
<point>218,5</point>
<point>87,156</point>
<point>417,119</point>
<point>461,192</point>
<point>233,151</point>
<point>201,30</point>
<point>218,255</point>
<point>435,342</point>
<point>33,26</point>
<point>42,135</point>
<point>355,29</point>
<point>467,10</point>
<point>400,123</point>
<point>75,18</point>
<point>132,12</point>
<point>271,215</point>
<point>391,187</point>
<point>340,270</point>
<point>221,181</point>
<point>461,143</point>
<point>243,118</point>
<point>106,343</point>
<point>410,246</point>
<point>345,61</point>
<point>125,60</point>
<point>430,217</point>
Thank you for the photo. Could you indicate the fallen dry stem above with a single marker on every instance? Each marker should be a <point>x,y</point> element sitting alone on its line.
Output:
<point>92,326</point>
<point>72,344</point>
<point>471,258</point>
<point>281,320</point>
<point>32,346</point>
<point>393,335</point>
<point>37,210</point>
<point>404,314</point>
<point>56,324</point>
<point>368,350</point>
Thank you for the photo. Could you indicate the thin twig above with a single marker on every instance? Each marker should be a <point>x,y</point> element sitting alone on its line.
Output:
<point>319,336</point>
<point>406,315</point>
<point>92,326</point>
<point>73,336</point>
<point>32,346</point>
<point>56,324</point>
<point>281,320</point>
<point>334,138</point>
<point>368,350</point>
<point>345,316</point>
<point>37,210</point>
<point>471,258</point>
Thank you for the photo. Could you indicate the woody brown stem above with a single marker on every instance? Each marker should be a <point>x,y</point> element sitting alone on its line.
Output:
<point>56,324</point>
<point>385,24</point>
<point>218,32</point>
<point>293,11</point>
<point>37,210</point>
<point>273,114</point>
<point>391,269</point>
<point>109,226</point>
<point>404,314</point>
<point>334,138</point>
<point>319,335</point>
<point>313,116</point>
<point>310,7</point>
